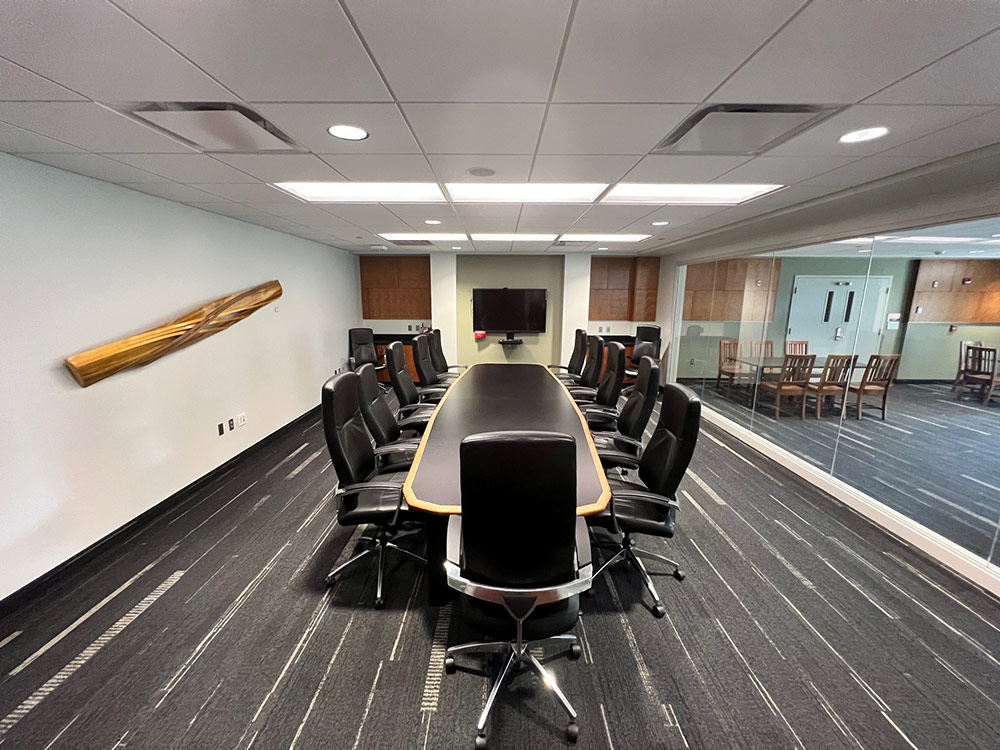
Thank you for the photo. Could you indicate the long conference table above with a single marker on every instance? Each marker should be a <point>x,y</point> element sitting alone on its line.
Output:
<point>489,398</point>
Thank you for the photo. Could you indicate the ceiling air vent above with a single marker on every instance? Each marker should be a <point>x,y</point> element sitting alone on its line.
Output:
<point>211,126</point>
<point>745,129</point>
<point>410,243</point>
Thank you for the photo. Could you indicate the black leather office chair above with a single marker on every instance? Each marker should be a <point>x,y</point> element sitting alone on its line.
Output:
<point>610,386</point>
<point>576,357</point>
<point>519,555</point>
<point>647,344</point>
<point>360,499</point>
<point>438,358</point>
<point>621,430</point>
<point>362,349</point>
<point>410,397</point>
<point>651,507</point>
<point>382,423</point>
<point>591,371</point>
<point>426,372</point>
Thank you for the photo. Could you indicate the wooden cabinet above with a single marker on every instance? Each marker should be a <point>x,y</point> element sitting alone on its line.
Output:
<point>952,300</point>
<point>395,287</point>
<point>624,288</point>
<point>740,289</point>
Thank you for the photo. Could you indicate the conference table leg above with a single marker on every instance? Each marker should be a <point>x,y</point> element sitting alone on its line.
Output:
<point>438,592</point>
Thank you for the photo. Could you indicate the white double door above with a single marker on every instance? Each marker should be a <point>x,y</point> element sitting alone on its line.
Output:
<point>834,312</point>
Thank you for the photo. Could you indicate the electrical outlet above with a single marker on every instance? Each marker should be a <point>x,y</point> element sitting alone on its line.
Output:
<point>232,425</point>
<point>409,327</point>
<point>241,419</point>
<point>222,429</point>
<point>691,361</point>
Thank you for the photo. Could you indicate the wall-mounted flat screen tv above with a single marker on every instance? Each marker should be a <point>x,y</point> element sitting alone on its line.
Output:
<point>508,310</point>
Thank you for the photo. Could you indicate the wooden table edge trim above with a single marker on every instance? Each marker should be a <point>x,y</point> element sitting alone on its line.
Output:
<point>414,502</point>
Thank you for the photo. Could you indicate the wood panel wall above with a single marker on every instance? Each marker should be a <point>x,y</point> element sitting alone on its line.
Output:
<point>741,289</point>
<point>943,297</point>
<point>624,288</point>
<point>395,287</point>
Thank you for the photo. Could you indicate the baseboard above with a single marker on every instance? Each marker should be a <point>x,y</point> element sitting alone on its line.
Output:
<point>38,585</point>
<point>945,552</point>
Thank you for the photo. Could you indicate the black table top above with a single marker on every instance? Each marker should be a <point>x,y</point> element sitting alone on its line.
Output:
<point>489,397</point>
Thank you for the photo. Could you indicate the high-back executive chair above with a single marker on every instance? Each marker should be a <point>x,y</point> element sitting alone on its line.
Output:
<point>518,555</point>
<point>609,388</point>
<point>410,397</point>
<point>647,344</point>
<point>438,358</point>
<point>625,444</point>
<point>651,507</point>
<point>368,493</point>
<point>590,373</point>
<point>383,425</point>
<point>362,350</point>
<point>426,371</point>
<point>576,357</point>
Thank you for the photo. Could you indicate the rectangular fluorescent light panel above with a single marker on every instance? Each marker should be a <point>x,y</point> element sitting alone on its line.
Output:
<point>525,192</point>
<point>429,236</point>
<point>514,237</point>
<point>364,192</point>
<point>604,237</point>
<point>713,194</point>
<point>919,240</point>
<point>861,240</point>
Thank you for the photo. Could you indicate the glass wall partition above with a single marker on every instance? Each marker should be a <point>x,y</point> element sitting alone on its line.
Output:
<point>908,324</point>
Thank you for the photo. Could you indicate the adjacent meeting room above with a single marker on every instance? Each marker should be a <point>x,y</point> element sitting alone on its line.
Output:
<point>513,375</point>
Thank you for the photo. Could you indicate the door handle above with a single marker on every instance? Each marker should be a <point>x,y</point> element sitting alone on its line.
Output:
<point>837,335</point>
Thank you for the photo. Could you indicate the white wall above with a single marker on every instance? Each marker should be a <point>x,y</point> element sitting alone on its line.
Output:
<point>444,297</point>
<point>84,263</point>
<point>576,300</point>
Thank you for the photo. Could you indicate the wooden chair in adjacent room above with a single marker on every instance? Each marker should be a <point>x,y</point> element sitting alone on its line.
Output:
<point>762,350</point>
<point>962,346</point>
<point>796,347</point>
<point>979,372</point>
<point>796,369</point>
<point>833,381</point>
<point>729,351</point>
<point>878,376</point>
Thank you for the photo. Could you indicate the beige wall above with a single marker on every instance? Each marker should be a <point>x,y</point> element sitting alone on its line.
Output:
<point>514,271</point>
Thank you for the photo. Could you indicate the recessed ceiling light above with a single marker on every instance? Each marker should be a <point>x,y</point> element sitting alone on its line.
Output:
<point>976,252</point>
<point>347,132</point>
<point>456,247</point>
<point>364,192</point>
<point>865,240</point>
<point>865,134</point>
<point>658,223</point>
<point>513,237</point>
<point>714,194</point>
<point>431,221</point>
<point>602,248</point>
<point>922,240</point>
<point>481,172</point>
<point>429,236</point>
<point>534,192</point>
<point>604,237</point>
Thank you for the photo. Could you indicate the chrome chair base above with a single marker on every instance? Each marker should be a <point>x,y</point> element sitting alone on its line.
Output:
<point>628,552</point>
<point>378,545</point>
<point>517,654</point>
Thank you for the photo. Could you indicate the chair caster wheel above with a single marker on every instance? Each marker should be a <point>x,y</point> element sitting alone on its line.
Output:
<point>679,574</point>
<point>659,611</point>
<point>573,732</point>
<point>481,742</point>
<point>590,593</point>
<point>449,665</point>
<point>379,603</point>
<point>575,651</point>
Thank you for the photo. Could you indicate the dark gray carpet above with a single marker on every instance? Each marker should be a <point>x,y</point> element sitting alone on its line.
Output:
<point>934,459</point>
<point>799,625</point>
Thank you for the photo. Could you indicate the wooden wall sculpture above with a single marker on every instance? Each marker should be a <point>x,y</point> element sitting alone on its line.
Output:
<point>96,364</point>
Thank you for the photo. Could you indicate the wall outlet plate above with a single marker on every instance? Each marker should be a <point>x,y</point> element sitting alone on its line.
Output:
<point>222,429</point>
<point>241,419</point>
<point>232,425</point>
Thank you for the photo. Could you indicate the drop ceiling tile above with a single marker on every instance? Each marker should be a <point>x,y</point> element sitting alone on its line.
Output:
<point>282,167</point>
<point>476,128</point>
<point>655,51</point>
<point>683,168</point>
<point>416,213</point>
<point>341,228</point>
<point>95,49</point>
<point>16,140</point>
<point>374,218</point>
<point>98,167</point>
<point>904,122</point>
<point>623,214</point>
<point>783,170</point>
<point>292,210</point>
<point>266,51</point>
<point>382,167</point>
<point>20,84</point>
<point>866,170</point>
<point>811,60</point>
<point>185,168</point>
<point>452,52</point>
<point>454,167</point>
<point>676,215</point>
<point>492,248</point>
<point>171,191</point>
<point>489,210</point>
<point>523,248</point>
<point>608,128</point>
<point>543,225</point>
<point>242,192</point>
<point>88,126</point>
<point>307,125</point>
<point>957,139</point>
<point>581,168</point>
<point>476,225</point>
<point>570,211</point>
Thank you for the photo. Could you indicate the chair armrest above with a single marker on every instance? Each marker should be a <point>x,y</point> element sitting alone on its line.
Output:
<point>400,446</point>
<point>600,410</point>
<point>414,407</point>
<point>558,367</point>
<point>431,389</point>
<point>353,489</point>
<point>577,390</point>
<point>417,422</point>
<point>583,400</point>
<point>648,497</point>
<point>583,554</point>
<point>458,367</point>
<point>611,459</point>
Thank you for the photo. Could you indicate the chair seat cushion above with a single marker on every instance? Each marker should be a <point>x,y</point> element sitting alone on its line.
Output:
<point>635,516</point>
<point>826,388</point>
<point>785,388</point>
<point>374,506</point>
<point>868,388</point>
<point>493,621</point>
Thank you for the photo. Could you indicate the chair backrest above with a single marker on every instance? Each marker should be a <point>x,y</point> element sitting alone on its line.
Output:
<point>595,360</point>
<point>962,348</point>
<point>379,419</point>
<point>666,457</point>
<point>796,369</point>
<point>362,346</point>
<point>729,350</point>
<point>518,508</point>
<point>980,360</point>
<point>347,437</point>
<point>837,369</point>
<point>437,351</point>
<point>796,347</point>
<point>642,349</point>
<point>422,361</point>
<point>579,354</point>
<point>634,414</point>
<point>881,369</point>
<point>761,349</point>
<point>646,334</point>
<point>399,375</point>
<point>610,387</point>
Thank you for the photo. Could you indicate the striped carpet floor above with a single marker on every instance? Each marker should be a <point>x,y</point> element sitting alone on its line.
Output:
<point>934,459</point>
<point>799,625</point>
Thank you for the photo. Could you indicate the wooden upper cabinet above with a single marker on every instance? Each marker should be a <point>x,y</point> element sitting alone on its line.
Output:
<point>395,287</point>
<point>623,288</point>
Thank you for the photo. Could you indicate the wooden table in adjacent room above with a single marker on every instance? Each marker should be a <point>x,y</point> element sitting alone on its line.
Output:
<point>489,398</point>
